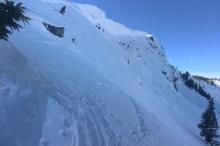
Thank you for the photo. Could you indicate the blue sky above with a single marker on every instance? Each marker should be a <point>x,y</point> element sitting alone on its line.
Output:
<point>188,29</point>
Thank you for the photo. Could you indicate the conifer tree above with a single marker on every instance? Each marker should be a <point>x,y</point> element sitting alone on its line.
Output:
<point>10,16</point>
<point>209,124</point>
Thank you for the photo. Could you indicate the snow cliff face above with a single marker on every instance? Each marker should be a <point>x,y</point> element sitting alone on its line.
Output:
<point>100,84</point>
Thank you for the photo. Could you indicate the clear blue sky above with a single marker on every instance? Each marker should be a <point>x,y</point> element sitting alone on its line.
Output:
<point>188,29</point>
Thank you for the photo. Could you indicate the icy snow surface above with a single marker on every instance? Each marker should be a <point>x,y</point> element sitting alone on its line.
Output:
<point>102,84</point>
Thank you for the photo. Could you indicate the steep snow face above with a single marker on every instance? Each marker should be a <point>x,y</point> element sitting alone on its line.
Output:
<point>101,84</point>
<point>22,100</point>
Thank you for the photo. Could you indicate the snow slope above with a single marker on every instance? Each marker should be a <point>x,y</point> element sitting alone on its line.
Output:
<point>217,83</point>
<point>102,84</point>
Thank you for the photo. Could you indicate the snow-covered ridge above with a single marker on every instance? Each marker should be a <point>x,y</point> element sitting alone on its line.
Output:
<point>98,84</point>
<point>96,16</point>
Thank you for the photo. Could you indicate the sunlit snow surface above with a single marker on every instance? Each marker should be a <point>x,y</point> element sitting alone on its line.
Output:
<point>106,88</point>
<point>217,83</point>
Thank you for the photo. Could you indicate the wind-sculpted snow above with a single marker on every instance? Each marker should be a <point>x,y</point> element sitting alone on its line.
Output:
<point>101,84</point>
